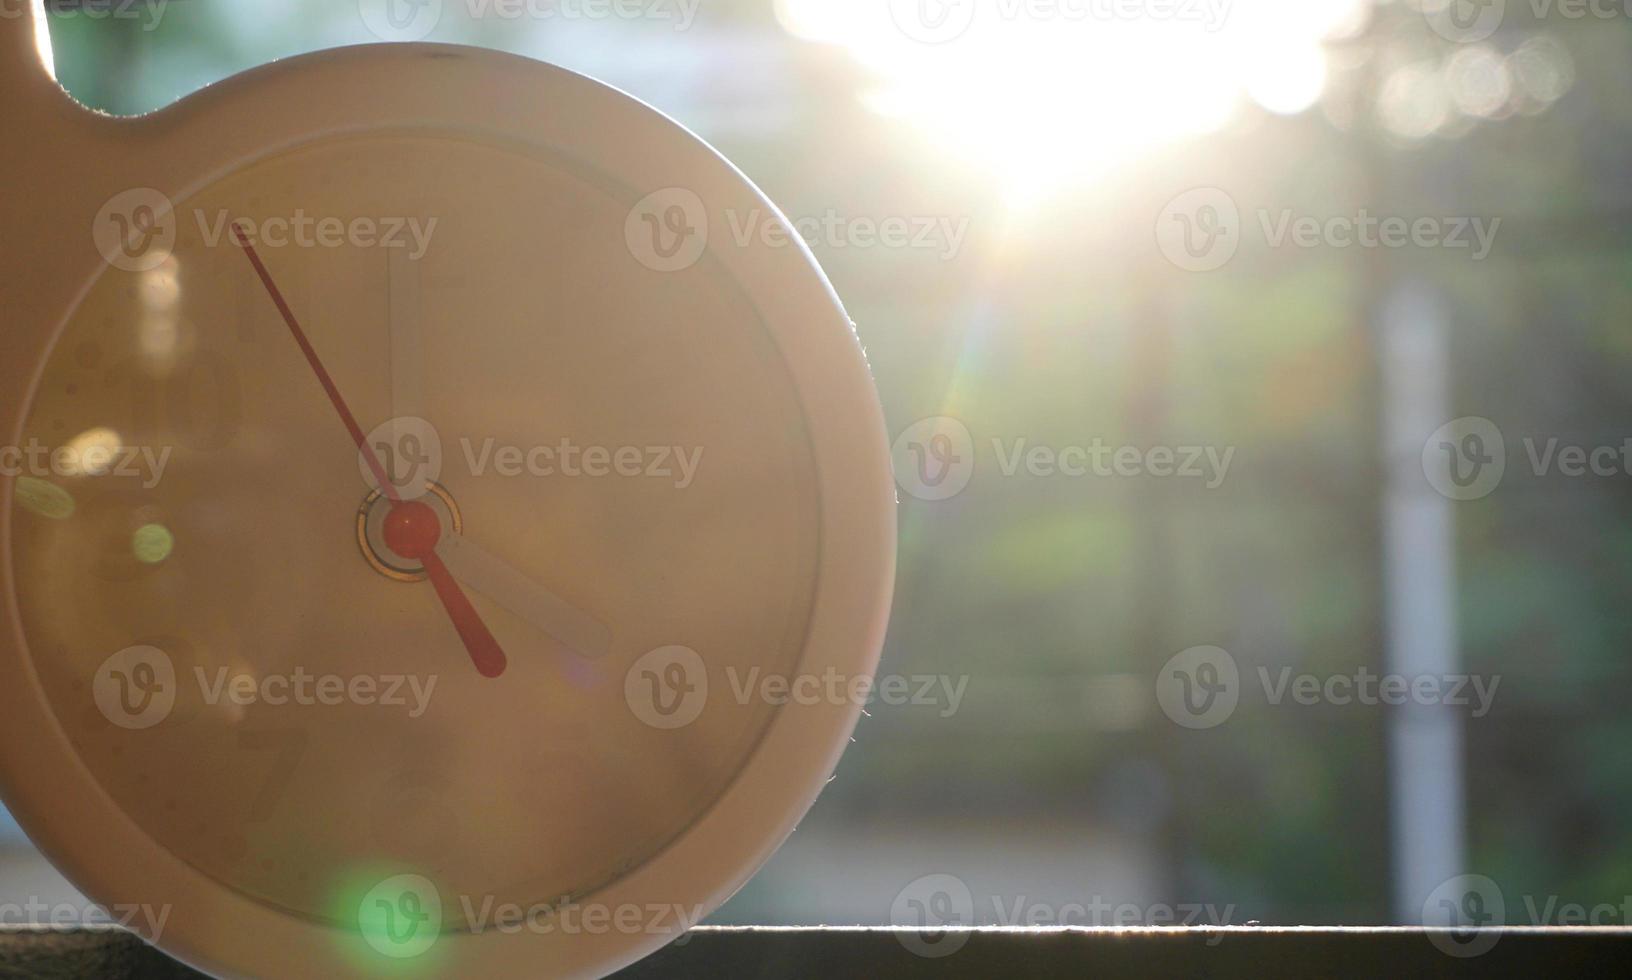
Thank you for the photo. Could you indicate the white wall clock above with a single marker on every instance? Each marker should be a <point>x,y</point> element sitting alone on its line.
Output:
<point>401,491</point>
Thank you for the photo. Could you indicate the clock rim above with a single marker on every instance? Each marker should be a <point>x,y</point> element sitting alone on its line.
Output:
<point>480,94</point>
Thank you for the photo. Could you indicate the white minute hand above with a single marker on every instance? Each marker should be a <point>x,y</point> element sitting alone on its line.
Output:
<point>407,345</point>
<point>484,572</point>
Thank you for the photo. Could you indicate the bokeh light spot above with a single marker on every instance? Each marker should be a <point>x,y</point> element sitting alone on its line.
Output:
<point>152,543</point>
<point>44,499</point>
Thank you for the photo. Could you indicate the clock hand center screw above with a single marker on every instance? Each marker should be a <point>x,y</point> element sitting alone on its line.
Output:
<point>412,529</point>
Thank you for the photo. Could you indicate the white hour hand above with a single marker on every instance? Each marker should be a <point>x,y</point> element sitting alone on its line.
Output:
<point>484,572</point>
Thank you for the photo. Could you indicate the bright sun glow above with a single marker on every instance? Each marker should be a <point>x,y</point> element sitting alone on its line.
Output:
<point>42,40</point>
<point>1046,93</point>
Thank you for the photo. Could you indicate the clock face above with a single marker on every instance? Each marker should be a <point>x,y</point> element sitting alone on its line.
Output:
<point>240,630</point>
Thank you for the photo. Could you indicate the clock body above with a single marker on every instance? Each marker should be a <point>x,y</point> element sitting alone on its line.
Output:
<point>234,705</point>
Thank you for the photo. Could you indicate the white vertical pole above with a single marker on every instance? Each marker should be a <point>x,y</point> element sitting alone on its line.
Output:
<point>1425,741</point>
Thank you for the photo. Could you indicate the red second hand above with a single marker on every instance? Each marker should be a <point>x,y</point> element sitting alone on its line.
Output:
<point>484,650</point>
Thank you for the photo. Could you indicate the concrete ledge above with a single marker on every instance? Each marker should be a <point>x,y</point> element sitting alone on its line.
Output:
<point>1247,952</point>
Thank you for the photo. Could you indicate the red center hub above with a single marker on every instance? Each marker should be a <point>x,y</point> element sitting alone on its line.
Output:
<point>412,529</point>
